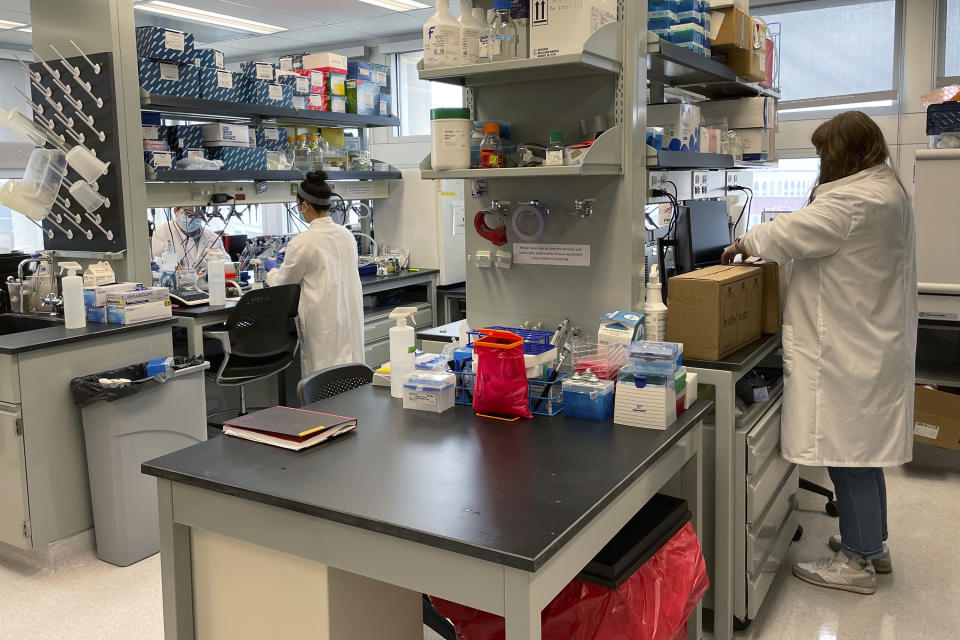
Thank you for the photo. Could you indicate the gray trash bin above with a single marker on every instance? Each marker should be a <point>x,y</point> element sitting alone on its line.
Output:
<point>123,434</point>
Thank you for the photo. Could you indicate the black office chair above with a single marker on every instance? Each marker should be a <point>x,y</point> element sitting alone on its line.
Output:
<point>260,339</point>
<point>339,379</point>
<point>333,381</point>
<point>831,506</point>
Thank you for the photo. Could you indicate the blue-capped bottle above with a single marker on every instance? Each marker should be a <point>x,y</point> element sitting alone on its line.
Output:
<point>504,37</point>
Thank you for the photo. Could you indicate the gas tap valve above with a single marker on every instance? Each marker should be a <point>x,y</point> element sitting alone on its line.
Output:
<point>583,207</point>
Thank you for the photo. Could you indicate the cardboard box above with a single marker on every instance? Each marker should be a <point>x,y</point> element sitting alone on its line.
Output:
<point>325,62</point>
<point>318,102</point>
<point>183,154</point>
<point>186,136</point>
<point>749,65</point>
<point>680,122</point>
<point>217,84</point>
<point>743,5</point>
<point>715,311</point>
<point>299,83</point>
<point>222,134</point>
<point>770,302</point>
<point>272,138</point>
<point>338,104</point>
<point>209,58</point>
<point>757,144</point>
<point>291,61</point>
<point>621,327</point>
<point>259,70</point>
<point>730,30</point>
<point>240,158</point>
<point>742,113</point>
<point>166,45</point>
<point>129,314</point>
<point>169,79</point>
<point>159,160</point>
<point>137,296</point>
<point>936,418</point>
<point>558,27</point>
<point>363,97</point>
<point>96,296</point>
<point>97,315</point>
<point>300,103</point>
<point>268,94</point>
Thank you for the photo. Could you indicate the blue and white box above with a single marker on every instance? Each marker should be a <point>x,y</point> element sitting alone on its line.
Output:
<point>186,136</point>
<point>680,122</point>
<point>209,58</point>
<point>300,84</point>
<point>224,134</point>
<point>659,20</point>
<point>138,295</point>
<point>159,160</point>
<point>167,45</point>
<point>385,102</point>
<point>97,315</point>
<point>291,61</point>
<point>301,103</point>
<point>272,138</point>
<point>621,327</point>
<point>361,70</point>
<point>268,94</point>
<point>240,158</point>
<point>217,84</point>
<point>338,104</point>
<point>186,154</point>
<point>155,132</point>
<point>169,79</point>
<point>128,314</point>
<point>259,70</point>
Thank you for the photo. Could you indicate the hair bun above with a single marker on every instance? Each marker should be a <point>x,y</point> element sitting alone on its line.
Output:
<point>317,176</point>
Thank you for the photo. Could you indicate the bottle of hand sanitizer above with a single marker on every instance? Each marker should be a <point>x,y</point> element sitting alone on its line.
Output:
<point>216,279</point>
<point>654,311</point>
<point>402,348</point>
<point>74,313</point>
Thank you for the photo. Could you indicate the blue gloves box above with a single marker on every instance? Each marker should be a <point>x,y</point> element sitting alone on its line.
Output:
<point>209,58</point>
<point>166,45</point>
<point>168,79</point>
<point>272,138</point>
<point>186,136</point>
<point>240,158</point>
<point>216,84</point>
<point>267,94</point>
<point>159,160</point>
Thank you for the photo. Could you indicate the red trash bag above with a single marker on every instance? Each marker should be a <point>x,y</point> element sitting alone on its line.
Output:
<point>653,604</point>
<point>501,385</point>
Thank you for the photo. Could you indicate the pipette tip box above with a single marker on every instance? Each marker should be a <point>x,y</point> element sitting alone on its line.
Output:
<point>167,45</point>
<point>169,79</point>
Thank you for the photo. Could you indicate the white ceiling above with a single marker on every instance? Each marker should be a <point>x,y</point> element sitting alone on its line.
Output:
<point>310,23</point>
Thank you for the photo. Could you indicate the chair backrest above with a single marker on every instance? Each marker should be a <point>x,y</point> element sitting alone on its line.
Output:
<point>333,381</point>
<point>264,322</point>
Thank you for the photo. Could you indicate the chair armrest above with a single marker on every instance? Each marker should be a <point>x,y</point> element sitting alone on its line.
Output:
<point>223,337</point>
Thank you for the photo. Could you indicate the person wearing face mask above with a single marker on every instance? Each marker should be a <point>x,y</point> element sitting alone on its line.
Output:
<point>323,261</point>
<point>189,237</point>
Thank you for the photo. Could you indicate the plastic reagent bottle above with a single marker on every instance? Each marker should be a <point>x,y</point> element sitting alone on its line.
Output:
<point>483,38</point>
<point>74,314</point>
<point>504,36</point>
<point>555,149</point>
<point>491,149</point>
<point>654,311</point>
<point>441,38</point>
<point>402,349</point>
<point>302,155</point>
<point>470,28</point>
<point>216,281</point>
<point>316,153</point>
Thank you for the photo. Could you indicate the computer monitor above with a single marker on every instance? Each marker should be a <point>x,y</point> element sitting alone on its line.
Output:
<point>702,233</point>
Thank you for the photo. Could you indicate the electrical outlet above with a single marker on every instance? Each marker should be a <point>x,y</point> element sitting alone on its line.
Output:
<point>708,184</point>
<point>679,185</point>
<point>740,179</point>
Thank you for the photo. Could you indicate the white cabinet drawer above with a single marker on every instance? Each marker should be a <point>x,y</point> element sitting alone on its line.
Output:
<point>762,535</point>
<point>762,487</point>
<point>758,582</point>
<point>376,353</point>
<point>14,510</point>
<point>763,441</point>
<point>378,326</point>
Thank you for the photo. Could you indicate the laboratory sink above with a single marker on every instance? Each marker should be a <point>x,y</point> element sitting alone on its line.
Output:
<point>17,323</point>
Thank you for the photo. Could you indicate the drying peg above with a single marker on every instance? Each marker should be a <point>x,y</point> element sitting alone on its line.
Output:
<point>85,232</point>
<point>75,71</point>
<point>100,134</point>
<point>86,86</point>
<point>46,91</point>
<point>109,234</point>
<point>34,75</point>
<point>95,67</point>
<point>53,72</point>
<point>66,121</point>
<point>36,107</point>
<point>66,232</point>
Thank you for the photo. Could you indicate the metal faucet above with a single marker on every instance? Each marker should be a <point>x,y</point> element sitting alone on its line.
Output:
<point>55,303</point>
<point>48,258</point>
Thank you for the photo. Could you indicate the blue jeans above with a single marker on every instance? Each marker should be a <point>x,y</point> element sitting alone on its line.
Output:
<point>862,501</point>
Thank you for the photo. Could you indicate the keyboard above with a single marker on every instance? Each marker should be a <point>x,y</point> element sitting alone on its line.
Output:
<point>190,298</point>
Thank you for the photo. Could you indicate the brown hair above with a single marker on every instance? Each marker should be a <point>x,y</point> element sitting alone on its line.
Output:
<point>847,144</point>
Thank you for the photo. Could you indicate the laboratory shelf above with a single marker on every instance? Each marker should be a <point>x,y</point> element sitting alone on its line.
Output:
<point>194,108</point>
<point>692,160</point>
<point>602,55</point>
<point>295,175</point>
<point>604,158</point>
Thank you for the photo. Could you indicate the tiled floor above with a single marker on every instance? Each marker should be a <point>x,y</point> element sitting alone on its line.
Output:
<point>919,601</point>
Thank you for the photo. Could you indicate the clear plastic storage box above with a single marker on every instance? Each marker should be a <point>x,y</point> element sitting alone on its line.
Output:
<point>429,391</point>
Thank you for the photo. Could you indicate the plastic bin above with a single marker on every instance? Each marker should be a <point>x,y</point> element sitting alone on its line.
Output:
<point>157,416</point>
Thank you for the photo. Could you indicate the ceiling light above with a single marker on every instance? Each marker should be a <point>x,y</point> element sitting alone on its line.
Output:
<point>6,24</point>
<point>207,17</point>
<point>398,5</point>
<point>26,29</point>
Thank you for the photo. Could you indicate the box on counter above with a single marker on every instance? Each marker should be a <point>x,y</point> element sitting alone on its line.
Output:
<point>749,65</point>
<point>137,296</point>
<point>186,136</point>
<point>272,138</point>
<point>222,134</point>
<point>96,295</point>
<point>209,58</point>
<point>240,158</point>
<point>742,113</point>
<point>169,79</point>
<point>325,62</point>
<point>758,145</point>
<point>645,407</point>
<point>166,45</point>
<point>621,327</point>
<point>385,103</point>
<point>299,83</point>
<point>291,61</point>
<point>97,315</point>
<point>186,154</point>
<point>259,70</point>
<point>216,84</point>
<point>730,30</point>
<point>770,301</point>
<point>159,160</point>
<point>565,26</point>
<point>936,418</point>
<point>363,97</point>
<point>680,122</point>
<point>129,314</point>
<point>715,311</point>
<point>268,94</point>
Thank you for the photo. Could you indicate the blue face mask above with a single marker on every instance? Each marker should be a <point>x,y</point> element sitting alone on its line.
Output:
<point>188,224</point>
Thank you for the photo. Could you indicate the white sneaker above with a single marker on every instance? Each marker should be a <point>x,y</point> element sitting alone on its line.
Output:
<point>882,563</point>
<point>839,572</point>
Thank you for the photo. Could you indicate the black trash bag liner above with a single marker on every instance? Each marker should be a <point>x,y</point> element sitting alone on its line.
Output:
<point>88,390</point>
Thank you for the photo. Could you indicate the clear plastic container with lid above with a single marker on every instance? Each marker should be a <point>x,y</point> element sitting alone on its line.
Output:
<point>491,148</point>
<point>555,149</point>
<point>450,131</point>
<point>586,396</point>
<point>429,391</point>
<point>43,175</point>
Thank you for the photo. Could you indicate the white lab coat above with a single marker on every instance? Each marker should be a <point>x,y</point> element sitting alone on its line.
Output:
<point>850,322</point>
<point>191,250</point>
<point>323,261</point>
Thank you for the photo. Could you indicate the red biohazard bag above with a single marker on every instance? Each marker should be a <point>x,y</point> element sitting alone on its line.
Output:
<point>501,385</point>
<point>653,604</point>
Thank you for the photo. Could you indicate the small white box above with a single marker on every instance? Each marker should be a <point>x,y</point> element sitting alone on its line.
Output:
<point>680,122</point>
<point>649,407</point>
<point>691,390</point>
<point>99,274</point>
<point>96,296</point>
<point>432,391</point>
<point>621,327</point>
<point>129,314</point>
<point>325,61</point>
<point>221,134</point>
<point>560,27</point>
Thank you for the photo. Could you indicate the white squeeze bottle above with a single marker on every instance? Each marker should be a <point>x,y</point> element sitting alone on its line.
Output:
<point>470,28</point>
<point>441,38</point>
<point>216,282</point>
<point>654,311</point>
<point>74,313</point>
<point>402,360</point>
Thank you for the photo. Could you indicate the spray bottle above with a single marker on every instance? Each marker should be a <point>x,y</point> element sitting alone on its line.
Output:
<point>402,348</point>
<point>216,280</point>
<point>654,311</point>
<point>168,267</point>
<point>74,313</point>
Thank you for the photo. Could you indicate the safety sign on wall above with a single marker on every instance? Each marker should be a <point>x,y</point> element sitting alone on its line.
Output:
<point>564,255</point>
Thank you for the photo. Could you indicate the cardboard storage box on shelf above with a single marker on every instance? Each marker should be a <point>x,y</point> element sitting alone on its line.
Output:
<point>363,97</point>
<point>325,62</point>
<point>300,103</point>
<point>240,158</point>
<point>758,144</point>
<point>185,136</point>
<point>272,138</point>
<point>936,418</point>
<point>217,84</point>
<point>730,30</point>
<point>715,311</point>
<point>384,104</point>
<point>169,79</point>
<point>770,302</point>
<point>129,314</point>
<point>167,45</point>
<point>222,134</point>
<point>154,132</point>
<point>299,83</point>
<point>680,122</point>
<point>377,73</point>
<point>268,94</point>
<point>291,61</point>
<point>750,65</point>
<point>184,154</point>
<point>259,70</point>
<point>742,113</point>
<point>319,102</point>
<point>558,27</point>
<point>159,160</point>
<point>209,58</point>
<point>337,104</point>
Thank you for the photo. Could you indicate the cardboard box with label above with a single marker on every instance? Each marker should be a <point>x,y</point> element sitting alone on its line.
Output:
<point>758,144</point>
<point>680,122</point>
<point>742,113</point>
<point>770,312</point>
<point>167,45</point>
<point>749,65</point>
<point>936,418</point>
<point>730,30</point>
<point>715,311</point>
<point>559,27</point>
<point>222,134</point>
<point>169,79</point>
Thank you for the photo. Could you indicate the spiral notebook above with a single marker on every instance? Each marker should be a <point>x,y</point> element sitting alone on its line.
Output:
<point>289,428</point>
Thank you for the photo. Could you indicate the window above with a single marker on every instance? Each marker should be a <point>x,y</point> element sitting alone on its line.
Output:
<point>416,97</point>
<point>949,43</point>
<point>782,189</point>
<point>856,53</point>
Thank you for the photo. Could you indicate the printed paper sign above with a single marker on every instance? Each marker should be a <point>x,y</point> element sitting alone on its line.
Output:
<point>224,79</point>
<point>169,72</point>
<point>565,255</point>
<point>276,92</point>
<point>925,430</point>
<point>264,71</point>
<point>174,40</point>
<point>271,134</point>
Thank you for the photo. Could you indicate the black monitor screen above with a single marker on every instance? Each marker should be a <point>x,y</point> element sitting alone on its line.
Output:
<point>709,231</point>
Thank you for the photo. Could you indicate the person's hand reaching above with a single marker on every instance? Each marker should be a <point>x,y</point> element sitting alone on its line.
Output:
<point>730,254</point>
<point>270,264</point>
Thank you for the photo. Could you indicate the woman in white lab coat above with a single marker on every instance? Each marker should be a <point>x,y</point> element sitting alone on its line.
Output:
<point>189,236</point>
<point>323,261</point>
<point>849,337</point>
